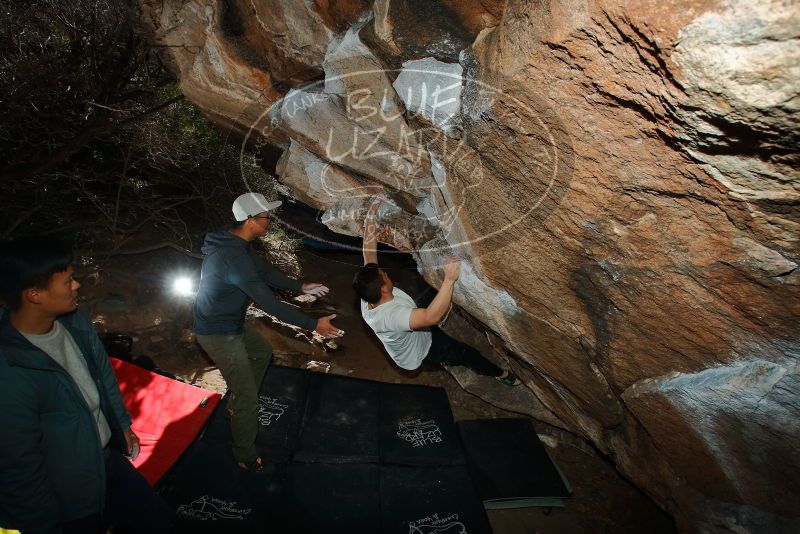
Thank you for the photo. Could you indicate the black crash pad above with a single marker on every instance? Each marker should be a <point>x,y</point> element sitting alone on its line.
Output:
<point>360,456</point>
<point>341,421</point>
<point>426,500</point>
<point>331,499</point>
<point>281,405</point>
<point>510,466</point>
<point>210,493</point>
<point>417,427</point>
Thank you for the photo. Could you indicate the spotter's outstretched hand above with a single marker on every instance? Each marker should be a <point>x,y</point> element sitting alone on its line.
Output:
<point>326,329</point>
<point>317,290</point>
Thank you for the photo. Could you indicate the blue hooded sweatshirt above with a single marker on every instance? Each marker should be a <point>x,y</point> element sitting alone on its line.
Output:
<point>232,274</point>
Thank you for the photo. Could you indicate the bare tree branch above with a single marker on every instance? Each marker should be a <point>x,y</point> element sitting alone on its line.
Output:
<point>142,250</point>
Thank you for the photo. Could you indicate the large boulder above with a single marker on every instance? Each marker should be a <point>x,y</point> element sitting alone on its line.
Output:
<point>620,177</point>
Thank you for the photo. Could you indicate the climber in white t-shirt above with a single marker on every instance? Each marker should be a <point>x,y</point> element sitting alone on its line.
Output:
<point>409,333</point>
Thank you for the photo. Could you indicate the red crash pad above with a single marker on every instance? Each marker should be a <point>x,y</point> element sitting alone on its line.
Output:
<point>167,415</point>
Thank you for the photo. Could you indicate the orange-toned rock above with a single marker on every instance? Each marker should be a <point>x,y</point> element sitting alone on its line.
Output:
<point>413,30</point>
<point>621,179</point>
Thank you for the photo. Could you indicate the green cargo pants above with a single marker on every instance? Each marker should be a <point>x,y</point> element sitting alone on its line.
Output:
<point>242,359</point>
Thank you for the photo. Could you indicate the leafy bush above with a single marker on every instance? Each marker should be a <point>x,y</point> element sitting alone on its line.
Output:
<point>97,139</point>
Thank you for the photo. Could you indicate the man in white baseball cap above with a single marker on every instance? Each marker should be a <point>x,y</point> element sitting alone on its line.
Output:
<point>232,275</point>
<point>251,205</point>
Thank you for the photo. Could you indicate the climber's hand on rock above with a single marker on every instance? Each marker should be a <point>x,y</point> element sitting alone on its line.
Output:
<point>452,268</point>
<point>374,206</point>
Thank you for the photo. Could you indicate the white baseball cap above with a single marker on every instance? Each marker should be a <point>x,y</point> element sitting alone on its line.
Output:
<point>251,204</point>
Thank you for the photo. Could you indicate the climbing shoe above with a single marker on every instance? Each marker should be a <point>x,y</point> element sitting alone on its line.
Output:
<point>254,466</point>
<point>510,379</point>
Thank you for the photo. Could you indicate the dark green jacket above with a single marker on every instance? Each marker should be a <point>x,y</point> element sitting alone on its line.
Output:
<point>52,467</point>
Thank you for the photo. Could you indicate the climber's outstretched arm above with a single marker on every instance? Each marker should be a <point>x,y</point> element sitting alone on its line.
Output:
<point>371,233</point>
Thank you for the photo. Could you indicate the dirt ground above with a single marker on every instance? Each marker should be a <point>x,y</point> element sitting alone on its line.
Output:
<point>134,295</point>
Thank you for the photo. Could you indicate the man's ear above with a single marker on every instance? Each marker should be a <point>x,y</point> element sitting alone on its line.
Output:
<point>32,295</point>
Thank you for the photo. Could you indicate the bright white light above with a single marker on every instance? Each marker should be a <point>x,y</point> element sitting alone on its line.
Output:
<point>183,286</point>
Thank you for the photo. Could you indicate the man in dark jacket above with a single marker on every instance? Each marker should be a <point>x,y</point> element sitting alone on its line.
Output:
<point>233,274</point>
<point>61,412</point>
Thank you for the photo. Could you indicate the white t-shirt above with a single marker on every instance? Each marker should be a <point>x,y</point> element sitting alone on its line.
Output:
<point>59,345</point>
<point>391,323</point>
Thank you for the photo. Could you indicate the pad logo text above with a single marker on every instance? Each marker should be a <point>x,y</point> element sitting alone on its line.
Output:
<point>419,432</point>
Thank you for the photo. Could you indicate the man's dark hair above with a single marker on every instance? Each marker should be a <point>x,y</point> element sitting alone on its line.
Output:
<point>367,283</point>
<point>28,262</point>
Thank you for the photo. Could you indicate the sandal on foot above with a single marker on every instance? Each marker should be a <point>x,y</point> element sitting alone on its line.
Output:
<point>254,466</point>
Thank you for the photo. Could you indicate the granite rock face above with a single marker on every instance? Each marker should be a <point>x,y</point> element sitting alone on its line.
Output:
<point>620,177</point>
